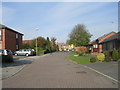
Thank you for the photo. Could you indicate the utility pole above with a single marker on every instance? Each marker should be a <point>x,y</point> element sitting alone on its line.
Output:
<point>36,44</point>
<point>36,47</point>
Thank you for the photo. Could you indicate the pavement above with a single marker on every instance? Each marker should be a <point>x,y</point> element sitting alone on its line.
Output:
<point>56,71</point>
<point>10,69</point>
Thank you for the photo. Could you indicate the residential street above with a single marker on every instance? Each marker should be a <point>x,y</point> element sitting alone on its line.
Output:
<point>56,71</point>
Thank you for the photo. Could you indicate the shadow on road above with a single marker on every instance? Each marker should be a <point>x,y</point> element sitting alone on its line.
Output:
<point>16,63</point>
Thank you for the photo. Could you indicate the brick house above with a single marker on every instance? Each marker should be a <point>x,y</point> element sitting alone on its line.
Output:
<point>10,39</point>
<point>95,47</point>
<point>27,41</point>
<point>112,43</point>
<point>62,46</point>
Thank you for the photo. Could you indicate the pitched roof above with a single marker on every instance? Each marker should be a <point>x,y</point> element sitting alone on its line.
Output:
<point>5,27</point>
<point>113,37</point>
<point>102,37</point>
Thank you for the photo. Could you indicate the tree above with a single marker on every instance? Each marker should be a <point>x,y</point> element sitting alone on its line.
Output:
<point>68,42</point>
<point>48,47</point>
<point>41,42</point>
<point>53,44</point>
<point>25,45</point>
<point>79,36</point>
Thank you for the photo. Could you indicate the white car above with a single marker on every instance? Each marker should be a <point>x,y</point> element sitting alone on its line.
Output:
<point>26,52</point>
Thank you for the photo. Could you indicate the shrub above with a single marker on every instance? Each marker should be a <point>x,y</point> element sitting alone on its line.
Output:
<point>101,57</point>
<point>108,59</point>
<point>115,55</point>
<point>107,54</point>
<point>46,51</point>
<point>80,53</point>
<point>93,59</point>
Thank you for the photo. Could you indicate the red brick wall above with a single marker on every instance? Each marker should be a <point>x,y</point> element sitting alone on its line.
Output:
<point>9,40</point>
<point>3,38</point>
<point>94,50</point>
<point>20,41</point>
<point>99,49</point>
<point>100,46</point>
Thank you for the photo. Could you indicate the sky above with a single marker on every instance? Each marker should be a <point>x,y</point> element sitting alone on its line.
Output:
<point>57,19</point>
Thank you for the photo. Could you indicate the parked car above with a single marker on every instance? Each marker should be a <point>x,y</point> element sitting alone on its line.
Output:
<point>26,52</point>
<point>6,55</point>
<point>34,52</point>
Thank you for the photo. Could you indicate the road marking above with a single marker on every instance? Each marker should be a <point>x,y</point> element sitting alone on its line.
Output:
<point>101,73</point>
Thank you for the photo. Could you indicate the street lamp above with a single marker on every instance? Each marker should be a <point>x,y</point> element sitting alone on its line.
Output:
<point>36,44</point>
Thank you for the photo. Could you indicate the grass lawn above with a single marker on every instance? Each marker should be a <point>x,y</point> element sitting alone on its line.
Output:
<point>80,59</point>
<point>72,53</point>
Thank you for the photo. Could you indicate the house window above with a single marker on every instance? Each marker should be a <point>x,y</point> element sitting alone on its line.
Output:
<point>16,47</point>
<point>95,46</point>
<point>17,35</point>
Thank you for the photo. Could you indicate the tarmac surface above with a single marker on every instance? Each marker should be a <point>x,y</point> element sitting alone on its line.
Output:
<point>56,71</point>
<point>107,68</point>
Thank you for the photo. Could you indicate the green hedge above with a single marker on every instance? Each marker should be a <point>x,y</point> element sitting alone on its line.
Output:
<point>115,55</point>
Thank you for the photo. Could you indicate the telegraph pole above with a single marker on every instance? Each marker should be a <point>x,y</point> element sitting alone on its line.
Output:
<point>36,47</point>
<point>36,44</point>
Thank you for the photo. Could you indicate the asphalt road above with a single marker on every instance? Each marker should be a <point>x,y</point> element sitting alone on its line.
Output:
<point>107,68</point>
<point>56,71</point>
<point>20,57</point>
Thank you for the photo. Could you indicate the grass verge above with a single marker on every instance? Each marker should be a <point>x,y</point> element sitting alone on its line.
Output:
<point>72,53</point>
<point>80,59</point>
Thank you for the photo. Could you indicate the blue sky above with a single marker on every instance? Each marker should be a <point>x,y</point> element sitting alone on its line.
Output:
<point>57,19</point>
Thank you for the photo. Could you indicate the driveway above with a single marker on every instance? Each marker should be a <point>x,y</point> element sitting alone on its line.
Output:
<point>107,68</point>
<point>56,71</point>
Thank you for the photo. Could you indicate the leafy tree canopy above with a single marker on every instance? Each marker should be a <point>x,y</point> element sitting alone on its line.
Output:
<point>79,36</point>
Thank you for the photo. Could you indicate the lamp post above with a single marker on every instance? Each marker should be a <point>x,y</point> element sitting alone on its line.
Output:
<point>36,47</point>
<point>36,44</point>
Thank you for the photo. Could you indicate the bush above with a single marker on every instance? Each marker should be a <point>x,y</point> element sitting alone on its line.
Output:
<point>108,59</point>
<point>107,54</point>
<point>80,53</point>
<point>46,51</point>
<point>93,59</point>
<point>101,57</point>
<point>115,55</point>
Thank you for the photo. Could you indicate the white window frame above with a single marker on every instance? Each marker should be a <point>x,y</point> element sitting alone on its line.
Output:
<point>16,35</point>
<point>95,46</point>
<point>17,47</point>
